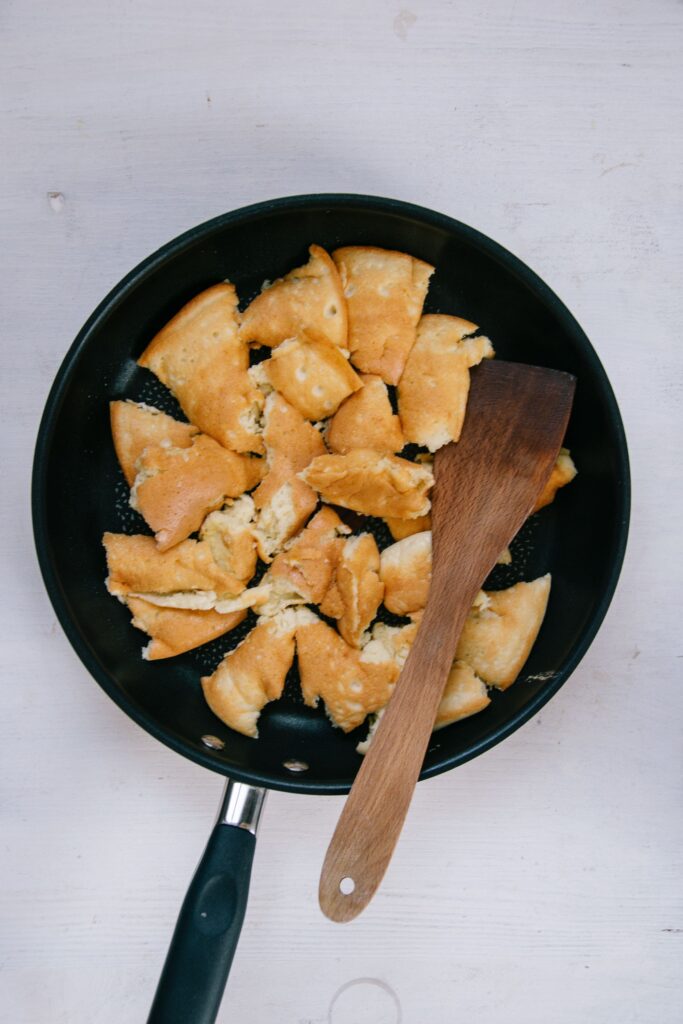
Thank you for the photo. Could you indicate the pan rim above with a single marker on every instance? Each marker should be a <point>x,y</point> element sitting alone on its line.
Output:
<point>152,263</point>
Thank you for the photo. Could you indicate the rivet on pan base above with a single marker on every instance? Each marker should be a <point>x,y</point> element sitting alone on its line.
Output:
<point>212,742</point>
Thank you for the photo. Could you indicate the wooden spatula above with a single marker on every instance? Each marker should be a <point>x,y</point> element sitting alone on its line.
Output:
<point>486,486</point>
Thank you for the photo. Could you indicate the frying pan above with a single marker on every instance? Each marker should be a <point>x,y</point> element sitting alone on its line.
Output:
<point>79,492</point>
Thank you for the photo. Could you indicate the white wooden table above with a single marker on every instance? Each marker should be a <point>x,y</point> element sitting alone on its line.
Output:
<point>542,881</point>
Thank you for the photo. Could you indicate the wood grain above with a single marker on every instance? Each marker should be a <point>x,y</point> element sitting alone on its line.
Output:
<point>485,487</point>
<point>552,863</point>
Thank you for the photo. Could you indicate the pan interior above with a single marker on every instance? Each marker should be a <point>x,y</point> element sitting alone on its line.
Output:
<point>80,492</point>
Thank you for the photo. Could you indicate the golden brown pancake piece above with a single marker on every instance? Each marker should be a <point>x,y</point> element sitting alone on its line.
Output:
<point>201,358</point>
<point>385,292</point>
<point>390,643</point>
<point>377,485</point>
<point>137,565</point>
<point>366,420</point>
<point>501,629</point>
<point>282,517</point>
<point>356,590</point>
<point>465,694</point>
<point>307,298</point>
<point>387,645</point>
<point>406,570</point>
<point>254,672</point>
<point>401,528</point>
<point>291,443</point>
<point>301,574</point>
<point>563,473</point>
<point>175,488</point>
<point>174,631</point>
<point>230,535</point>
<point>311,373</point>
<point>135,426</point>
<point>284,502</point>
<point>432,393</point>
<point>331,669</point>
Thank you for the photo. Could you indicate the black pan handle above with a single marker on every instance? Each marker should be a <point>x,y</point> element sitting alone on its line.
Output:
<point>210,920</point>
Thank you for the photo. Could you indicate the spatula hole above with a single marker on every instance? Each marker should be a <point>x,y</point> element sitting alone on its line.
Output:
<point>346,886</point>
<point>295,766</point>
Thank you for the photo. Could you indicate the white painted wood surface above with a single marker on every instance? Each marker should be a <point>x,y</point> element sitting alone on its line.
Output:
<point>541,882</point>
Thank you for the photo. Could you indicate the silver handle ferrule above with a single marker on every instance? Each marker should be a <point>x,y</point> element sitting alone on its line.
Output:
<point>241,806</point>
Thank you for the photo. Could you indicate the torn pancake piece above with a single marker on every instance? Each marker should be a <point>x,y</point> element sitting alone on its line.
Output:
<point>387,644</point>
<point>291,443</point>
<point>563,473</point>
<point>406,571</point>
<point>283,501</point>
<point>312,374</point>
<point>136,565</point>
<point>307,298</point>
<point>209,600</point>
<point>329,668</point>
<point>465,694</point>
<point>501,629</point>
<point>185,577</point>
<point>301,574</point>
<point>174,631</point>
<point>385,292</point>
<point>175,488</point>
<point>383,646</point>
<point>390,643</point>
<point>136,426</point>
<point>355,591</point>
<point>401,528</point>
<point>230,535</point>
<point>366,420</point>
<point>371,483</point>
<point>254,672</point>
<point>433,390</point>
<point>282,516</point>
<point>201,358</point>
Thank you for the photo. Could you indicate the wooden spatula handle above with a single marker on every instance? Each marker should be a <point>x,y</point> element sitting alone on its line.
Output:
<point>373,815</point>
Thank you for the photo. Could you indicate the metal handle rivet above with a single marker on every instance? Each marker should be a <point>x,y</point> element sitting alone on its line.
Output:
<point>212,742</point>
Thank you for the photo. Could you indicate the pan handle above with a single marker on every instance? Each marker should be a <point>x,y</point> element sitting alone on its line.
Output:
<point>208,927</point>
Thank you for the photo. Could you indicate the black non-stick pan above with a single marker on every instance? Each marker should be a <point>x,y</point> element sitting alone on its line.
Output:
<point>79,492</point>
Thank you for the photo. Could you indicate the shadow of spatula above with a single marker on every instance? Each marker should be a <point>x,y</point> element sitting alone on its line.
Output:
<point>485,487</point>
